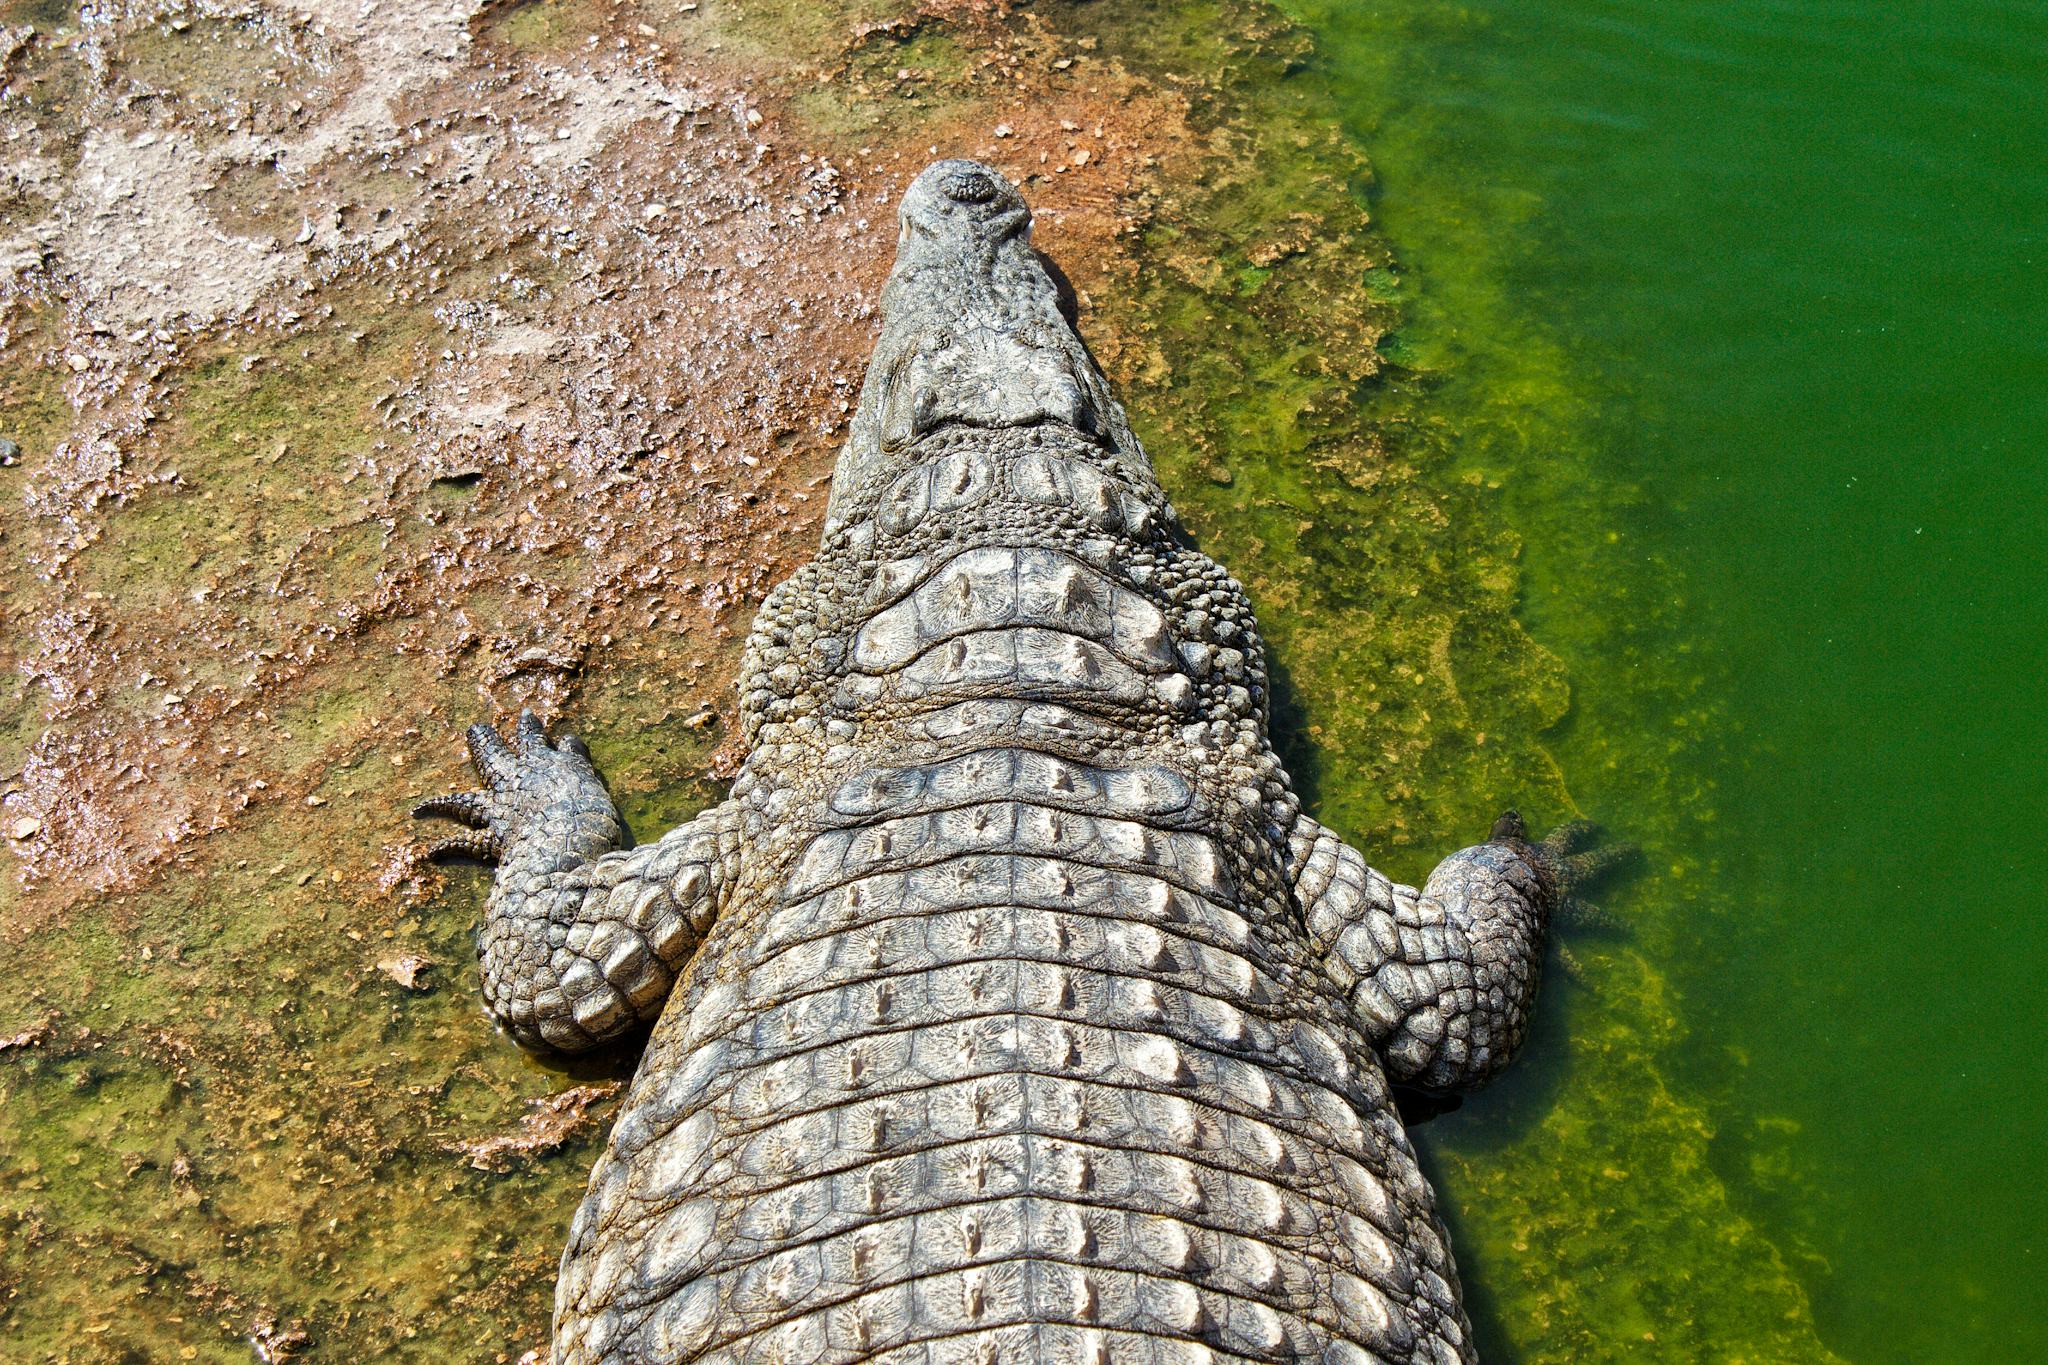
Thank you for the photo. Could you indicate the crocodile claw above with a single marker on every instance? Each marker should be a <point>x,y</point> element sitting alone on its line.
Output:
<point>1545,875</point>
<point>1568,855</point>
<point>1578,914</point>
<point>1584,869</point>
<point>528,735</point>
<point>528,782</point>
<point>1570,861</point>
<point>481,841</point>
<point>469,808</point>
<point>1571,837</point>
<point>492,757</point>
<point>483,846</point>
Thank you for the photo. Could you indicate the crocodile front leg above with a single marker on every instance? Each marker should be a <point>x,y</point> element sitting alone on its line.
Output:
<point>1443,979</point>
<point>582,939</point>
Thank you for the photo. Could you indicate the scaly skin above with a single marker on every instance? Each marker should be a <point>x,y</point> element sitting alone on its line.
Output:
<point>1010,1009</point>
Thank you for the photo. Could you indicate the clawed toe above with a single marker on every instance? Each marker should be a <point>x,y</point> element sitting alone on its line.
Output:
<point>1570,860</point>
<point>1570,853</point>
<point>1592,865</point>
<point>493,758</point>
<point>529,734</point>
<point>1575,969</point>
<point>525,777</point>
<point>481,845</point>
<point>529,754</point>
<point>1578,914</point>
<point>470,808</point>
<point>497,763</point>
<point>1571,837</point>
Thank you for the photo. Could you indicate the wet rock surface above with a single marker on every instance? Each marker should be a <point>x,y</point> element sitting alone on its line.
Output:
<point>371,369</point>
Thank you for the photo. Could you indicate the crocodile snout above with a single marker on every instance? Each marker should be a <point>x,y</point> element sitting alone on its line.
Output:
<point>971,329</point>
<point>960,205</point>
<point>968,183</point>
<point>972,337</point>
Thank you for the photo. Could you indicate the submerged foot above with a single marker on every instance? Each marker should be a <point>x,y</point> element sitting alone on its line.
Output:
<point>1571,861</point>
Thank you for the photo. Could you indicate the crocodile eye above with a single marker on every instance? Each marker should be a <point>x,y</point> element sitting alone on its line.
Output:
<point>939,340</point>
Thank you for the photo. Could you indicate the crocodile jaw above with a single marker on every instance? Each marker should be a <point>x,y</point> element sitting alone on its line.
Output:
<point>972,336</point>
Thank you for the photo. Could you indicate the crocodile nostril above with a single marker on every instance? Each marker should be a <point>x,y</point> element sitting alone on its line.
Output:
<point>971,187</point>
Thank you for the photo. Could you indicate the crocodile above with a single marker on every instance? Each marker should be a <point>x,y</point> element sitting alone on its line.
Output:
<point>1010,1008</point>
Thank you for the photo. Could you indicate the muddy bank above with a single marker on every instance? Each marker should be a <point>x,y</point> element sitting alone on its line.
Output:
<point>461,345</point>
<point>373,369</point>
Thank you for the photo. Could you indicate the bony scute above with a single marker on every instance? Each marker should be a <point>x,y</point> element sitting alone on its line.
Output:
<point>1026,1017</point>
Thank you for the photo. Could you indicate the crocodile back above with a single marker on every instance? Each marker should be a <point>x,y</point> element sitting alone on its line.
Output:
<point>1007,1046</point>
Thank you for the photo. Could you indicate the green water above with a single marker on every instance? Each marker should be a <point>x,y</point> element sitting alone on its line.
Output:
<point>1743,305</point>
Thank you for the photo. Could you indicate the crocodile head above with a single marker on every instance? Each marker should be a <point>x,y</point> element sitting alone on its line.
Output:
<point>973,338</point>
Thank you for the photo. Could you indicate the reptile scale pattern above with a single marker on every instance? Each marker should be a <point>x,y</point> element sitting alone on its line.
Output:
<point>1010,1009</point>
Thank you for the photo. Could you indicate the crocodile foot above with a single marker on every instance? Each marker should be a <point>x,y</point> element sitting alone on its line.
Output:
<point>1569,862</point>
<point>532,787</point>
<point>1575,864</point>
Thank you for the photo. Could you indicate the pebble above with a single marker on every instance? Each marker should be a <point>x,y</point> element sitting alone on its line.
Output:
<point>405,968</point>
<point>28,827</point>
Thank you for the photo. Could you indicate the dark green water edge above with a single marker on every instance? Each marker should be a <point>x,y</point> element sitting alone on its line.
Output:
<point>243,1121</point>
<point>1742,307</point>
